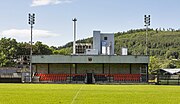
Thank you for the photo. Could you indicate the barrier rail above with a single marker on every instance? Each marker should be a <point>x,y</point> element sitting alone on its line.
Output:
<point>168,79</point>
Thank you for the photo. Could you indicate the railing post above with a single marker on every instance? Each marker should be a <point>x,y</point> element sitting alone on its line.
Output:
<point>178,79</point>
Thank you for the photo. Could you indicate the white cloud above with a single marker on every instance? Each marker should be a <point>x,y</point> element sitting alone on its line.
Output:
<point>25,33</point>
<point>48,2</point>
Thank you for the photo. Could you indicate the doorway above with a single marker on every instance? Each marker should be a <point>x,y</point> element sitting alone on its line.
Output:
<point>89,78</point>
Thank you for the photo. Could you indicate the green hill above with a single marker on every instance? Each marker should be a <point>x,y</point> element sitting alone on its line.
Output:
<point>163,46</point>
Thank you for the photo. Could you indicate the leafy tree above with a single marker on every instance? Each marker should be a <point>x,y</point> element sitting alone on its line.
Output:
<point>23,48</point>
<point>154,63</point>
<point>8,51</point>
<point>41,49</point>
<point>64,51</point>
<point>3,59</point>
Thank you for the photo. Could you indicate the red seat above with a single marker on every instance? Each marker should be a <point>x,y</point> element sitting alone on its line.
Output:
<point>126,77</point>
<point>52,77</point>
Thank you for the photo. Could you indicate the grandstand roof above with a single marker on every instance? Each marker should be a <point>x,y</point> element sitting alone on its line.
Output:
<point>89,59</point>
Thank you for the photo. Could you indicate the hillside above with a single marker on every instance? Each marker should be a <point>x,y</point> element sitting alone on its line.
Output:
<point>163,46</point>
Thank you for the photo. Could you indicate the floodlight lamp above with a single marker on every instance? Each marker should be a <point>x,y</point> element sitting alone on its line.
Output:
<point>74,19</point>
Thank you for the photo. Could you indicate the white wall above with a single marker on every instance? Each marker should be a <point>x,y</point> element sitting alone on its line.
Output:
<point>96,41</point>
<point>109,41</point>
<point>98,38</point>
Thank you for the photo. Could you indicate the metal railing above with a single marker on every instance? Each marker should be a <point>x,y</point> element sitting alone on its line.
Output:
<point>168,79</point>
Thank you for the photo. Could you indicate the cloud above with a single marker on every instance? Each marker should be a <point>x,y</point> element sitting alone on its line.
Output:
<point>48,2</point>
<point>25,33</point>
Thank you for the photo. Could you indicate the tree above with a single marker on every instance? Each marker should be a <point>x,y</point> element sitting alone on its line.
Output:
<point>154,63</point>
<point>41,49</point>
<point>23,48</point>
<point>3,60</point>
<point>64,51</point>
<point>8,51</point>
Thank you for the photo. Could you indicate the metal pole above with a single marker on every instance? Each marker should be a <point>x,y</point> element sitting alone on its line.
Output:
<point>31,56</point>
<point>146,40</point>
<point>74,42</point>
<point>74,37</point>
<point>31,22</point>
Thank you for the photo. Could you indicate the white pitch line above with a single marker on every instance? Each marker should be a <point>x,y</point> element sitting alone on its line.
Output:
<point>76,95</point>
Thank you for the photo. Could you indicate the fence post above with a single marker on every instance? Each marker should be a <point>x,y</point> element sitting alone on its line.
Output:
<point>158,74</point>
<point>167,79</point>
<point>178,79</point>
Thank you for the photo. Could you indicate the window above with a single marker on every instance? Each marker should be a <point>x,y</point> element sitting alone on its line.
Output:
<point>105,38</point>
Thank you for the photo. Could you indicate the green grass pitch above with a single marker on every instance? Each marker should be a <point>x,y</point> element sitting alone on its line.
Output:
<point>88,94</point>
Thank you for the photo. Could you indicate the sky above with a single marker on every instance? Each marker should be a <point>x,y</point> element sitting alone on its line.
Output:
<point>54,26</point>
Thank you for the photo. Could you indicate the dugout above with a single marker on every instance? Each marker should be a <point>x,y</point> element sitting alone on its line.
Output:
<point>168,76</point>
<point>91,68</point>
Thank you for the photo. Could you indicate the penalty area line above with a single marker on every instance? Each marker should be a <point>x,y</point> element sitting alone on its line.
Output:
<point>76,95</point>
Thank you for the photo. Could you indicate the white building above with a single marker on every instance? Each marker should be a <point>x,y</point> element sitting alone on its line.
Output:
<point>103,42</point>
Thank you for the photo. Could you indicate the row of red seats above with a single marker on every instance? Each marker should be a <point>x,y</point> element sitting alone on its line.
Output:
<point>46,75</point>
<point>127,77</point>
<point>56,77</point>
<point>126,74</point>
<point>63,77</point>
<point>52,77</point>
